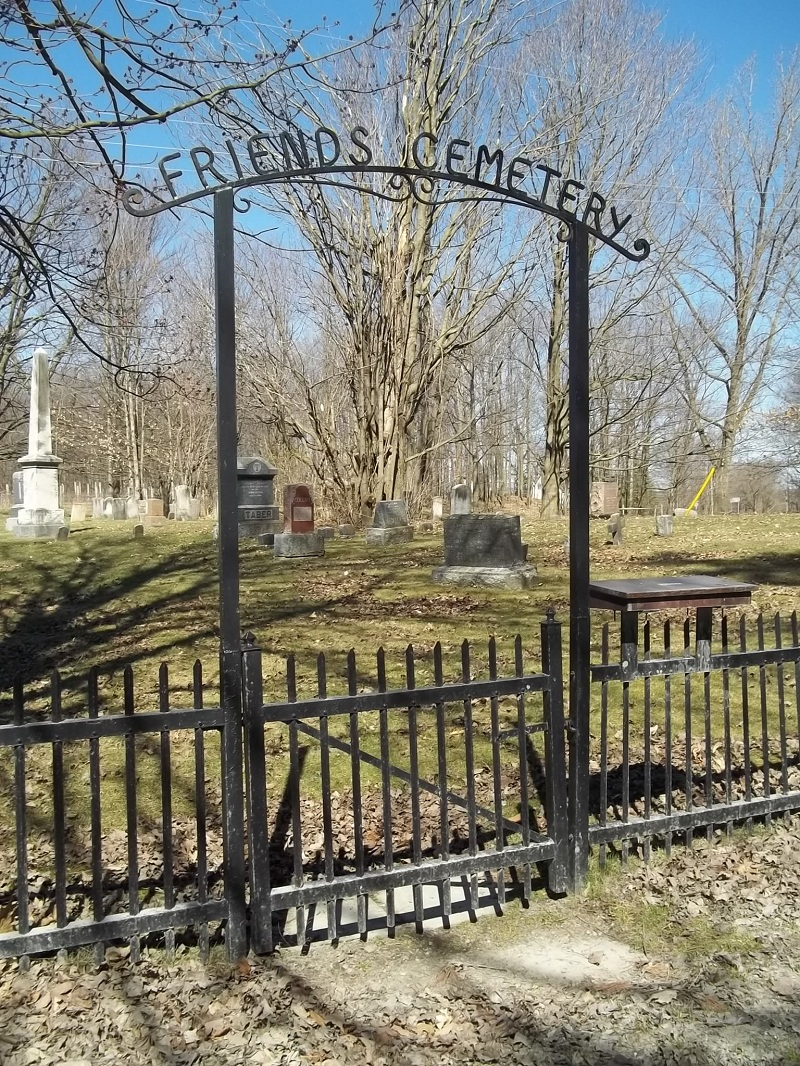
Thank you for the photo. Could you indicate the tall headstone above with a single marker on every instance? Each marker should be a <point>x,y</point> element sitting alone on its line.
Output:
<point>257,512</point>
<point>298,509</point>
<point>40,514</point>
<point>299,539</point>
<point>437,508</point>
<point>460,499</point>
<point>604,500</point>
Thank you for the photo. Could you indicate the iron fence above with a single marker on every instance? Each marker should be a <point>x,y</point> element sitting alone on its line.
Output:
<point>695,738</point>
<point>347,795</point>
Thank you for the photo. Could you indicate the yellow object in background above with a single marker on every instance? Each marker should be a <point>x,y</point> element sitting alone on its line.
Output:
<point>703,488</point>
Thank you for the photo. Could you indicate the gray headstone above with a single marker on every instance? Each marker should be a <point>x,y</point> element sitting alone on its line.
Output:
<point>97,507</point>
<point>390,514</point>
<point>664,525</point>
<point>479,540</point>
<point>437,508</point>
<point>16,481</point>
<point>346,530</point>
<point>131,507</point>
<point>78,512</point>
<point>138,531</point>
<point>62,533</point>
<point>326,532</point>
<point>460,499</point>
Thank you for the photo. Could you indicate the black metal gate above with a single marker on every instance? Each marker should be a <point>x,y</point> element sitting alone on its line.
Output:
<point>391,812</point>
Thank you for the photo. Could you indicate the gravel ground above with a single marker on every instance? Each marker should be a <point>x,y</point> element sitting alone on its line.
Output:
<point>689,960</point>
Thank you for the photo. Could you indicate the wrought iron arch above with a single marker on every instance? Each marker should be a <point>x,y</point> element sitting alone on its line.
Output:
<point>403,183</point>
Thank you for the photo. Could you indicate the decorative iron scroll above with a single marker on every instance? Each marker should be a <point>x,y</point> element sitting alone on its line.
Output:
<point>294,157</point>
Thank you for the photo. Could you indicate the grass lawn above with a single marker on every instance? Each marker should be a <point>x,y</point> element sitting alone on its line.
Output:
<point>104,599</point>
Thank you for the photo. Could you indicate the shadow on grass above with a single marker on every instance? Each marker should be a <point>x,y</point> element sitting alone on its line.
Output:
<point>770,568</point>
<point>67,617</point>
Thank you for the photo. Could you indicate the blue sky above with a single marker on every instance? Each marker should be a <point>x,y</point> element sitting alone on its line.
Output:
<point>729,32</point>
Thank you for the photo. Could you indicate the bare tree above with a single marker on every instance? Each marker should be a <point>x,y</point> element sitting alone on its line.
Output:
<point>606,101</point>
<point>735,279</point>
<point>402,283</point>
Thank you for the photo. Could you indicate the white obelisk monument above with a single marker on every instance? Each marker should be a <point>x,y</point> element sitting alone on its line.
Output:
<point>40,515</point>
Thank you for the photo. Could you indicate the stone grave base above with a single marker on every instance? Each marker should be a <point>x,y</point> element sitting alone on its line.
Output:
<point>380,535</point>
<point>499,577</point>
<point>149,521</point>
<point>298,545</point>
<point>40,524</point>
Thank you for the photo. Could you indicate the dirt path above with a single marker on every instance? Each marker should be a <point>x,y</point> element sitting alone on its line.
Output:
<point>692,960</point>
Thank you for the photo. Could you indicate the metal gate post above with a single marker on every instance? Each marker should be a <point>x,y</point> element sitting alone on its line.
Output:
<point>256,785</point>
<point>554,755</point>
<point>579,631</point>
<point>228,540</point>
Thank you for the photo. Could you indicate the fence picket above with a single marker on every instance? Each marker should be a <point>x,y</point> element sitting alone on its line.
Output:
<point>499,832</point>
<point>200,806</point>
<point>668,736</point>
<point>386,792</point>
<point>59,809</point>
<point>781,712</point>
<point>21,819</point>
<point>604,741</point>
<point>687,718</point>
<point>355,770</point>
<point>726,723</point>
<point>748,782</point>
<point>295,771</point>
<point>96,825</point>
<point>762,687</point>
<point>648,774</point>
<point>469,740</point>
<point>132,820</point>
<point>325,778</point>
<point>413,756</point>
<point>166,805</point>
<point>524,792</point>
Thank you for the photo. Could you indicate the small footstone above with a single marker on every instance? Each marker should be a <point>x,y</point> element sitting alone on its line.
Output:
<point>346,530</point>
<point>138,531</point>
<point>326,532</point>
<point>266,540</point>
<point>425,527</point>
<point>62,533</point>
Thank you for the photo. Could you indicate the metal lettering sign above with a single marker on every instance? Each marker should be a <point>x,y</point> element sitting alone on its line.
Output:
<point>293,154</point>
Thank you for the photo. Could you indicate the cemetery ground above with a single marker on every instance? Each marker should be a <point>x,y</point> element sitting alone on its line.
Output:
<point>690,959</point>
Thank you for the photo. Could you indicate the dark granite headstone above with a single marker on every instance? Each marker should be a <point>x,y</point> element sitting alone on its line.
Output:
<point>483,540</point>
<point>256,497</point>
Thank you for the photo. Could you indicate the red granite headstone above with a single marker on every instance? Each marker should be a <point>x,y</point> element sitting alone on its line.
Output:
<point>298,509</point>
